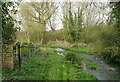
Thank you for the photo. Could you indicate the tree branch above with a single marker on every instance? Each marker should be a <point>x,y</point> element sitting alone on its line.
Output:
<point>36,18</point>
<point>33,20</point>
<point>51,14</point>
<point>50,24</point>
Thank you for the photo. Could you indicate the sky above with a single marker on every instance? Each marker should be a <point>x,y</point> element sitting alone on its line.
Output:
<point>58,22</point>
<point>64,0</point>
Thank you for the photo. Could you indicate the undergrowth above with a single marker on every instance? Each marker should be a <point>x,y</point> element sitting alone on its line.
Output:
<point>55,67</point>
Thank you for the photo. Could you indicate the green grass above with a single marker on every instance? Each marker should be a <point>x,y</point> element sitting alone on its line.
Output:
<point>91,65</point>
<point>81,50</point>
<point>65,52</point>
<point>25,51</point>
<point>55,67</point>
<point>85,76</point>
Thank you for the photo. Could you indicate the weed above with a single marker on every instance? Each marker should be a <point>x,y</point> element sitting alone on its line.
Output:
<point>85,76</point>
<point>91,65</point>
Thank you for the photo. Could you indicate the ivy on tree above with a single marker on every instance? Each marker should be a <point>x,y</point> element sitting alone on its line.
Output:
<point>8,29</point>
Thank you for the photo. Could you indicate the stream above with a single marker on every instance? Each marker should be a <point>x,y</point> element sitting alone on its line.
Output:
<point>103,71</point>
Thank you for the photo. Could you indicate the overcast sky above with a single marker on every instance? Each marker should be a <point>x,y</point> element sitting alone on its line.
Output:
<point>58,22</point>
<point>64,0</point>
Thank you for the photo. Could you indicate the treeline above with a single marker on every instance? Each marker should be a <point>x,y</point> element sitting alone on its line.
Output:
<point>87,23</point>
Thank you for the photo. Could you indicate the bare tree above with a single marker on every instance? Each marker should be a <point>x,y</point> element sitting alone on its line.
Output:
<point>40,13</point>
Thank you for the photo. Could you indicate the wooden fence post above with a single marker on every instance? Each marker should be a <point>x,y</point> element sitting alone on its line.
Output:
<point>7,56</point>
<point>14,55</point>
<point>19,56</point>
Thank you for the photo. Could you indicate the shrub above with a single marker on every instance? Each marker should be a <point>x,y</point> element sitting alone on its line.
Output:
<point>111,53</point>
<point>72,57</point>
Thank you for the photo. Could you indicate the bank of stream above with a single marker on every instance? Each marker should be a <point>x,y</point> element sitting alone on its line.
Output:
<point>103,70</point>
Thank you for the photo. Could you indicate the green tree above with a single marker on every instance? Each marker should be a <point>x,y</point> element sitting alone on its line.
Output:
<point>8,29</point>
<point>115,19</point>
<point>73,22</point>
<point>111,52</point>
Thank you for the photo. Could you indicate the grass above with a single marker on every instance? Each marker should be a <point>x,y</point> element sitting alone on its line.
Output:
<point>91,65</point>
<point>55,67</point>
<point>85,76</point>
<point>81,50</point>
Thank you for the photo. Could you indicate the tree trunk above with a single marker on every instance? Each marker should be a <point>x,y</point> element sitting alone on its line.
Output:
<point>42,41</point>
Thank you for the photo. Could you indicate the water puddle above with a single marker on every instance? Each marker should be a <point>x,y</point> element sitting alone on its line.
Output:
<point>57,49</point>
<point>60,54</point>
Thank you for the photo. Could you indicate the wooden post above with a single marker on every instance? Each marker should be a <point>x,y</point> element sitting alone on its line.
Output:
<point>19,56</point>
<point>14,50</point>
<point>14,55</point>
<point>7,56</point>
